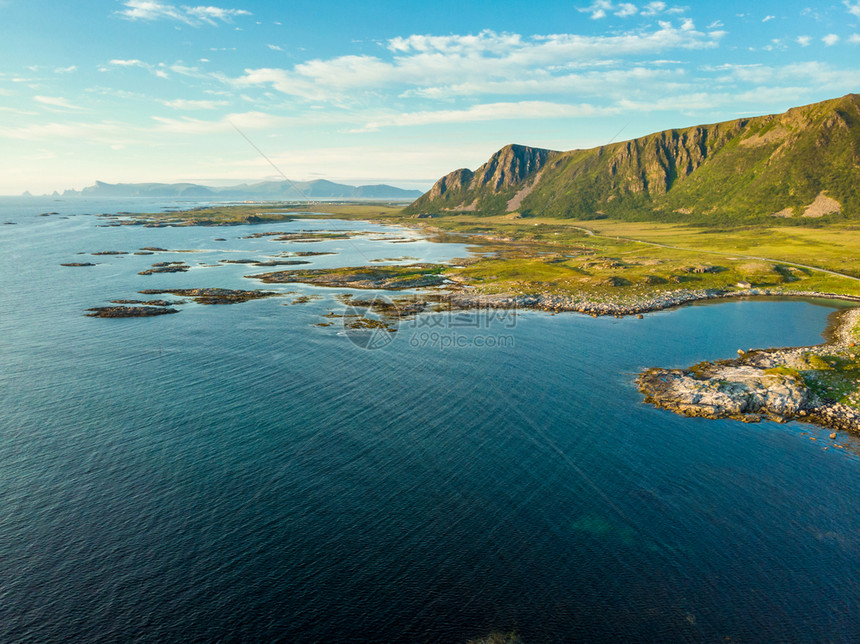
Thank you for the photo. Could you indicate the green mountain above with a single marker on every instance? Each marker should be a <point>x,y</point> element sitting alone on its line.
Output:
<point>799,165</point>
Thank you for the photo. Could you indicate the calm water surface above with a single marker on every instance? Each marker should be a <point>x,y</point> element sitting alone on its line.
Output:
<point>236,473</point>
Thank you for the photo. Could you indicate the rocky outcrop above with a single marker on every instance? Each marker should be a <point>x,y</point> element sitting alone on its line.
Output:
<point>464,190</point>
<point>740,392</point>
<point>382,277</point>
<point>509,167</point>
<point>166,267</point>
<point>777,384</point>
<point>213,295</point>
<point>453,182</point>
<point>128,311</point>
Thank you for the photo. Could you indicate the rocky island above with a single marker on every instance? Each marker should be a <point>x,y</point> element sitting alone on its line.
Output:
<point>128,311</point>
<point>363,277</point>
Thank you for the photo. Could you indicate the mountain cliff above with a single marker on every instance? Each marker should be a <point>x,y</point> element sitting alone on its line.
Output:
<point>803,163</point>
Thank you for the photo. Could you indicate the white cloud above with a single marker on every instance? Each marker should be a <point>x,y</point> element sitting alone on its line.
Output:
<point>804,41</point>
<point>158,70</point>
<point>597,9</point>
<point>90,132</point>
<point>244,121</point>
<point>134,62</point>
<point>428,63</point>
<point>854,39</point>
<point>66,70</point>
<point>601,8</point>
<point>602,84</point>
<point>56,101</point>
<point>151,10</point>
<point>768,18</point>
<point>853,8</point>
<point>211,14</point>
<point>716,24</point>
<point>811,75</point>
<point>187,104</point>
<point>274,47</point>
<point>776,44</point>
<point>626,9</point>
<point>488,112</point>
<point>830,40</point>
<point>655,8</point>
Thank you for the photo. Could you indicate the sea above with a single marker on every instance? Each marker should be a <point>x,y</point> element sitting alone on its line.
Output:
<point>238,473</point>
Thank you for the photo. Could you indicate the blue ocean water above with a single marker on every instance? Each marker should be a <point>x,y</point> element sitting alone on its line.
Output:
<point>235,473</point>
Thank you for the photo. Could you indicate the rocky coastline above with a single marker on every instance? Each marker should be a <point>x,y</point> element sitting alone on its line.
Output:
<point>815,384</point>
<point>623,306</point>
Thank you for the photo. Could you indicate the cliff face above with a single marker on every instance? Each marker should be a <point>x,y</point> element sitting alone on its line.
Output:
<point>805,162</point>
<point>509,167</point>
<point>506,170</point>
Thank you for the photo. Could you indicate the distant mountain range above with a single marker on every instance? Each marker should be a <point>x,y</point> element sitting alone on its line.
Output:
<point>799,165</point>
<point>270,190</point>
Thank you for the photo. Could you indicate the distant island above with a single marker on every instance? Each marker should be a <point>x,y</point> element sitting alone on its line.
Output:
<point>264,190</point>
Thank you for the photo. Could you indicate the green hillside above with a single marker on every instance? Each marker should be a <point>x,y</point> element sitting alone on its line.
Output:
<point>800,166</point>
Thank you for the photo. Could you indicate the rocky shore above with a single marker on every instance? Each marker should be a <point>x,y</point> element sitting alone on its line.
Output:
<point>587,302</point>
<point>810,384</point>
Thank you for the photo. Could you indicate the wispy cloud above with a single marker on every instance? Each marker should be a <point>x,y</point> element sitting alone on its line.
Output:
<point>854,39</point>
<point>56,101</point>
<point>488,112</point>
<point>188,104</point>
<point>108,133</point>
<point>159,70</point>
<point>804,41</point>
<point>422,64</point>
<point>853,7</point>
<point>133,62</point>
<point>66,70</point>
<point>244,120</point>
<point>768,18</point>
<point>274,47</point>
<point>151,10</point>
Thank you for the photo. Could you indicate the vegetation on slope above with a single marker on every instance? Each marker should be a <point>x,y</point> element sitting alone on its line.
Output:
<point>755,170</point>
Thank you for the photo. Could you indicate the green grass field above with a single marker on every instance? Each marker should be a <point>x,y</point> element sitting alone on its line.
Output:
<point>601,257</point>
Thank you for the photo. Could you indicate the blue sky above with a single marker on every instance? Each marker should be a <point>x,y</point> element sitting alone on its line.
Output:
<point>145,90</point>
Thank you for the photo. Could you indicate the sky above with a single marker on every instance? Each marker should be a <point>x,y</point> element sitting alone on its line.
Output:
<point>385,92</point>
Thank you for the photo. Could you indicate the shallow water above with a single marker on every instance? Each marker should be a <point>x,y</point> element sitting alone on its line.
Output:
<point>236,473</point>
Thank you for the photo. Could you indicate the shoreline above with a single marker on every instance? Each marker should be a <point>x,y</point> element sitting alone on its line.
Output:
<point>809,384</point>
<point>781,384</point>
<point>596,308</point>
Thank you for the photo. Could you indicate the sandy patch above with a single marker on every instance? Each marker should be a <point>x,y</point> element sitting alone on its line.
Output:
<point>823,205</point>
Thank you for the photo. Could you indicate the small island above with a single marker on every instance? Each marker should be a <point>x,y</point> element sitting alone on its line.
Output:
<point>129,311</point>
